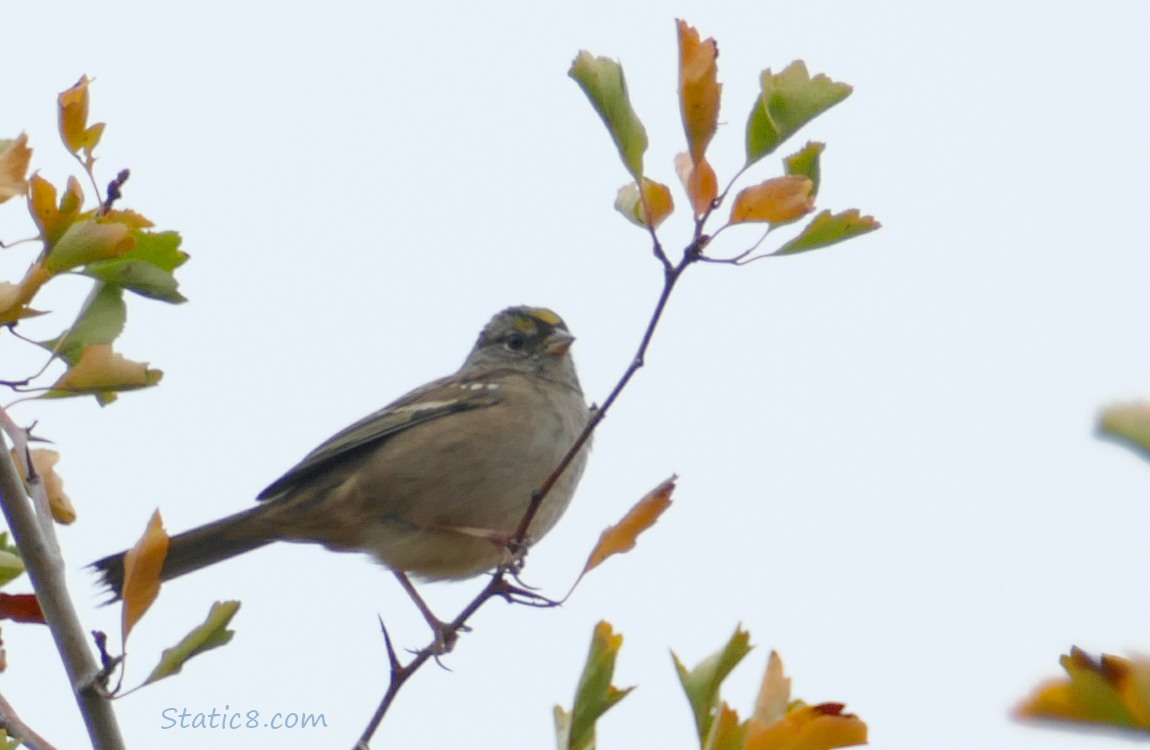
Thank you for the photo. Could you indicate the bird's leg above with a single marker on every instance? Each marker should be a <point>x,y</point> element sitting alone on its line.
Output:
<point>445,635</point>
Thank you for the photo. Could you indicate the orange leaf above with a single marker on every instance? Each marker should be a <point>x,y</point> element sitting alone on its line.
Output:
<point>101,369</point>
<point>648,208</point>
<point>699,181</point>
<point>21,608</point>
<point>142,566</point>
<point>621,537</point>
<point>54,220</point>
<point>699,89</point>
<point>44,462</point>
<point>776,201</point>
<point>818,727</point>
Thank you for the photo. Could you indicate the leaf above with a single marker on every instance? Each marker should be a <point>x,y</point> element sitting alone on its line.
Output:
<point>44,462</point>
<point>1127,423</point>
<point>100,322</point>
<point>779,200</point>
<point>595,695</point>
<point>54,219</point>
<point>1110,690</point>
<point>14,298</point>
<point>602,80</point>
<point>702,683</point>
<point>88,241</point>
<point>101,370</point>
<point>622,536</point>
<point>212,633</point>
<point>75,132</point>
<point>699,181</point>
<point>819,727</point>
<point>827,229</point>
<point>147,268</point>
<point>805,162</point>
<point>726,732</point>
<point>21,608</point>
<point>142,566</point>
<point>656,198</point>
<point>774,692</point>
<point>11,566</point>
<point>15,156</point>
<point>699,89</point>
<point>786,102</point>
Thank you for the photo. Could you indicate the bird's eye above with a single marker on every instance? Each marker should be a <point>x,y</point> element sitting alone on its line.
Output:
<point>514,342</point>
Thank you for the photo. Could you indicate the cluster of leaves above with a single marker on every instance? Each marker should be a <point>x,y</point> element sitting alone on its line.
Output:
<point>1109,691</point>
<point>114,247</point>
<point>776,723</point>
<point>787,101</point>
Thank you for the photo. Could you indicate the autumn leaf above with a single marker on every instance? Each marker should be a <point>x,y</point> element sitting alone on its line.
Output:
<point>77,135</point>
<point>819,727</point>
<point>648,208</point>
<point>100,369</point>
<point>44,462</point>
<point>595,694</point>
<point>700,182</point>
<point>774,692</point>
<point>52,218</point>
<point>787,101</point>
<point>88,241</point>
<point>1109,690</point>
<point>699,89</point>
<point>702,683</point>
<point>621,537</point>
<point>21,608</point>
<point>142,566</point>
<point>211,633</point>
<point>15,156</point>
<point>779,200</point>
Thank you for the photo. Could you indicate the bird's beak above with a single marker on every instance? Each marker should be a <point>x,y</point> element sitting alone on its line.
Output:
<point>558,343</point>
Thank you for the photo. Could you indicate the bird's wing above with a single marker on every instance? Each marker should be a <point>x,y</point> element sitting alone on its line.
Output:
<point>432,401</point>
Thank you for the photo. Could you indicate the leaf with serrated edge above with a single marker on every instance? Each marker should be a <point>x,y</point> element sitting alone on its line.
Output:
<point>212,633</point>
<point>702,683</point>
<point>602,80</point>
<point>142,566</point>
<point>805,161</point>
<point>726,732</point>
<point>786,102</point>
<point>827,229</point>
<point>75,132</point>
<point>699,89</point>
<point>100,369</point>
<point>595,694</point>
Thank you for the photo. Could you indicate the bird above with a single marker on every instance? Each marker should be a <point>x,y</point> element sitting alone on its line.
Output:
<point>435,484</point>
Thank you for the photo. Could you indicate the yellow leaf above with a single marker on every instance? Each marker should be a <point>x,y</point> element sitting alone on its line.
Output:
<point>14,298</point>
<point>820,727</point>
<point>699,89</point>
<point>1110,690</point>
<point>54,220</point>
<point>654,202</point>
<point>699,181</point>
<point>142,566</point>
<point>1129,423</point>
<point>101,369</point>
<point>621,537</point>
<point>73,116</point>
<point>44,462</point>
<point>776,201</point>
<point>15,156</point>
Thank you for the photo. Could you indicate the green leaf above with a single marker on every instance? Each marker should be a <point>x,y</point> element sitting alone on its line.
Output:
<point>100,322</point>
<point>138,276</point>
<point>1129,424</point>
<point>805,162</point>
<point>8,743</point>
<point>210,634</point>
<point>786,102</point>
<point>601,79</point>
<point>827,229</point>
<point>726,732</point>
<point>161,249</point>
<point>595,694</point>
<point>11,566</point>
<point>702,683</point>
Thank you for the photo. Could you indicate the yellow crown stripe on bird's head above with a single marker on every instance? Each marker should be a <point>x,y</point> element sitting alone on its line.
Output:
<point>526,323</point>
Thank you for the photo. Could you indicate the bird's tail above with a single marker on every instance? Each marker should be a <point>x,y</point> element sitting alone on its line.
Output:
<point>195,549</point>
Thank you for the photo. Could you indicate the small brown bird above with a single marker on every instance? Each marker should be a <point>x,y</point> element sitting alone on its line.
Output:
<point>433,484</point>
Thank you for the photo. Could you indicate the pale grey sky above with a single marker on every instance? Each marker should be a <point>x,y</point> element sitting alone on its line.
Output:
<point>886,451</point>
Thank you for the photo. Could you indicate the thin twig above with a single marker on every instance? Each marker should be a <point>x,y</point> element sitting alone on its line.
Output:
<point>46,570</point>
